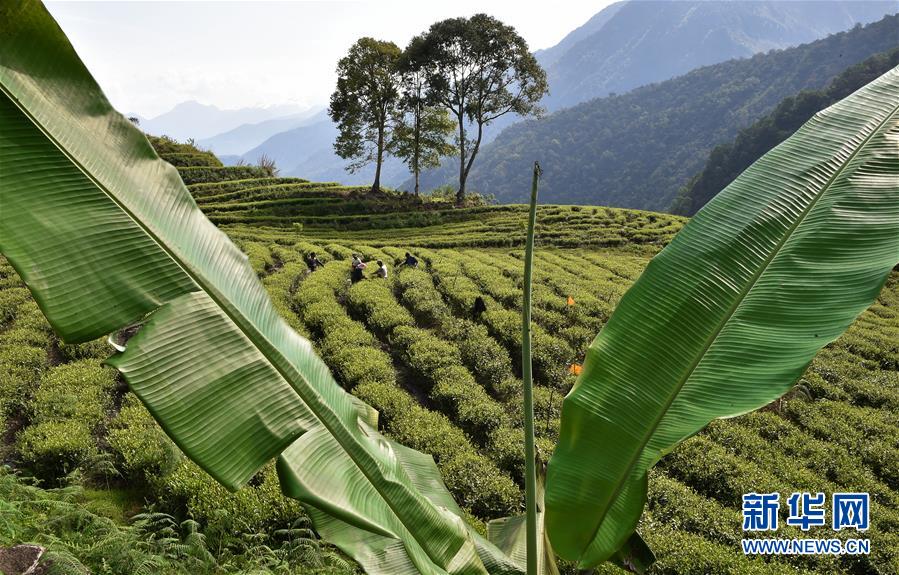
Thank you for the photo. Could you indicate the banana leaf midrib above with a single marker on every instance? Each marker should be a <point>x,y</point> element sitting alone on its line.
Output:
<point>238,319</point>
<point>753,281</point>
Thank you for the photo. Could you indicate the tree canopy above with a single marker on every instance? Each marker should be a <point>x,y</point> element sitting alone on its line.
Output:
<point>479,69</point>
<point>366,99</point>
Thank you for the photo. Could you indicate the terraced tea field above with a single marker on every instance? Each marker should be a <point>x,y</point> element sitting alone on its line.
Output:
<point>446,381</point>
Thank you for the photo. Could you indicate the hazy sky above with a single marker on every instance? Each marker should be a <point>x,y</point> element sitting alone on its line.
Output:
<point>148,56</point>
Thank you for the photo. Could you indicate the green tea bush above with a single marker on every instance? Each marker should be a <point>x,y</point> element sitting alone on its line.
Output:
<point>452,387</point>
<point>20,371</point>
<point>680,508</point>
<point>373,301</point>
<point>857,431</point>
<point>256,508</point>
<point>24,336</point>
<point>53,449</point>
<point>418,294</point>
<point>74,391</point>
<point>98,349</point>
<point>260,257</point>
<point>367,370</point>
<point>488,361</point>
<point>69,403</point>
<point>193,175</point>
<point>144,453</point>
<point>10,300</point>
<point>551,356</point>
<point>191,159</point>
<point>680,553</point>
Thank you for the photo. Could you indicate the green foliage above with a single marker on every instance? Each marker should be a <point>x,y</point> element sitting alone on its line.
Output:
<point>445,384</point>
<point>55,448</point>
<point>638,149</point>
<point>357,364</point>
<point>727,161</point>
<point>364,103</point>
<point>479,69</point>
<point>420,130</point>
<point>70,401</point>
<point>144,453</point>
<point>259,508</point>
<point>192,159</point>
<point>74,391</point>
<point>195,174</point>
<point>79,541</point>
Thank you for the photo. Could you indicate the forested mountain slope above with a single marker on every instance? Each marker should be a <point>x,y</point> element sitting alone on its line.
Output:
<point>727,161</point>
<point>636,43</point>
<point>638,149</point>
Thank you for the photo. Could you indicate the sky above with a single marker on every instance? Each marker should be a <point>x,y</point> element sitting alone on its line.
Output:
<point>149,56</point>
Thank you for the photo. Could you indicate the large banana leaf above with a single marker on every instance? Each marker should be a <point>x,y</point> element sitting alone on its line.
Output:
<point>728,316</point>
<point>103,233</point>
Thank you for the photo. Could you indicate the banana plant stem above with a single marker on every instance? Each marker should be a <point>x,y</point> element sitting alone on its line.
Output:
<point>530,456</point>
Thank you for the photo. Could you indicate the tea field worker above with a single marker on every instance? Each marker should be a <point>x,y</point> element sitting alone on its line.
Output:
<point>381,272</point>
<point>358,266</point>
<point>410,262</point>
<point>479,307</point>
<point>313,262</point>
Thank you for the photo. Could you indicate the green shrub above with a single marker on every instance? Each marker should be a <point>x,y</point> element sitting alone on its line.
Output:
<point>20,370</point>
<point>74,391</point>
<point>191,159</point>
<point>194,175</point>
<point>144,453</point>
<point>375,303</point>
<point>486,494</point>
<point>24,336</point>
<point>10,300</point>
<point>53,449</point>
<point>256,508</point>
<point>98,349</point>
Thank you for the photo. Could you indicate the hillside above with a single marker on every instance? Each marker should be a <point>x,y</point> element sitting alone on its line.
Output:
<point>443,381</point>
<point>246,136</point>
<point>638,149</point>
<point>632,44</point>
<point>627,44</point>
<point>727,161</point>
<point>308,151</point>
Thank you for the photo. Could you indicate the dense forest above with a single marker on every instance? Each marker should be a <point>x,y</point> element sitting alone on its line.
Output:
<point>638,149</point>
<point>728,160</point>
<point>633,44</point>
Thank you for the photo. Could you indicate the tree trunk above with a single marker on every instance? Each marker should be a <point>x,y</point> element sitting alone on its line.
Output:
<point>376,187</point>
<point>466,166</point>
<point>417,143</point>
<point>460,195</point>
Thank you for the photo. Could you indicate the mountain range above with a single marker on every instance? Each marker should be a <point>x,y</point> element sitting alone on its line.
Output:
<point>624,46</point>
<point>192,119</point>
<point>631,44</point>
<point>638,149</point>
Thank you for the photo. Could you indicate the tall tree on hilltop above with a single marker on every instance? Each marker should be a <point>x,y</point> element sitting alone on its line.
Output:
<point>365,102</point>
<point>421,129</point>
<point>479,69</point>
